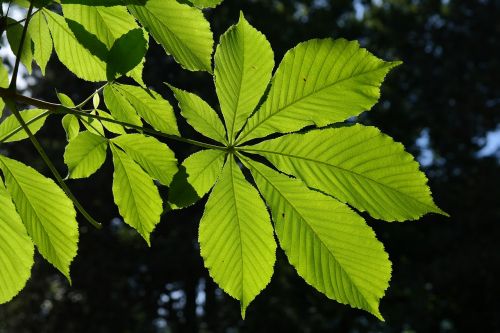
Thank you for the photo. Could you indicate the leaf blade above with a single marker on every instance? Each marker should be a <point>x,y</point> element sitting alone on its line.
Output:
<point>153,156</point>
<point>85,154</point>
<point>236,238</point>
<point>330,246</point>
<point>135,194</point>
<point>358,165</point>
<point>244,61</point>
<point>201,116</point>
<point>319,82</point>
<point>197,175</point>
<point>47,213</point>
<point>171,24</point>
<point>16,249</point>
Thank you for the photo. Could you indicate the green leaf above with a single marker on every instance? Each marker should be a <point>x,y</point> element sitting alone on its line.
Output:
<point>331,246</point>
<point>151,107</point>
<point>119,107</point>
<point>92,125</point>
<point>206,3</point>
<point>109,3</point>
<point>319,82</point>
<point>200,115</point>
<point>152,155</point>
<point>71,126</point>
<point>4,83</point>
<point>14,34</point>
<point>197,175</point>
<point>244,62</point>
<point>108,24</point>
<point>236,237</point>
<point>112,127</point>
<point>16,249</point>
<point>40,34</point>
<point>77,58</point>
<point>10,124</point>
<point>181,29</point>
<point>135,194</point>
<point>358,165</point>
<point>47,213</point>
<point>65,100</point>
<point>85,154</point>
<point>126,53</point>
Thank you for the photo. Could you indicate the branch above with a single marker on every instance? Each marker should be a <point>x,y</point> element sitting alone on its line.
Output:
<point>60,109</point>
<point>12,106</point>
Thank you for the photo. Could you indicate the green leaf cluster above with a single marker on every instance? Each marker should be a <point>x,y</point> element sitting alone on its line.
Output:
<point>285,159</point>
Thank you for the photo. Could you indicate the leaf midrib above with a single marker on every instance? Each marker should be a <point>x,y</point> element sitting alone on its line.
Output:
<point>344,170</point>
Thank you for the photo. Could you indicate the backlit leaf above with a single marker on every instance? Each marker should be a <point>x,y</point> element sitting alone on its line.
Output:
<point>358,165</point>
<point>47,213</point>
<point>16,249</point>
<point>319,82</point>
<point>331,246</point>
<point>236,237</point>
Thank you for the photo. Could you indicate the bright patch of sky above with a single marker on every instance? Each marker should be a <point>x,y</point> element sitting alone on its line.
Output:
<point>492,145</point>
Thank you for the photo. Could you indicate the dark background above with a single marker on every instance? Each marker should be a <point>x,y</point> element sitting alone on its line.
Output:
<point>441,104</point>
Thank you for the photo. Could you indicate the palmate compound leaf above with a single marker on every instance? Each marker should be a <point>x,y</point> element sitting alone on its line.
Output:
<point>319,82</point>
<point>16,249</point>
<point>200,115</point>
<point>153,156</point>
<point>197,175</point>
<point>42,43</point>
<point>108,24</point>
<point>76,57</point>
<point>181,29</point>
<point>150,106</point>
<point>135,194</point>
<point>47,213</point>
<point>85,154</point>
<point>10,124</point>
<point>236,237</point>
<point>358,165</point>
<point>244,62</point>
<point>331,246</point>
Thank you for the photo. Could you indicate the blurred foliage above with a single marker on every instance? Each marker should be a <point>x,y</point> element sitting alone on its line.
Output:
<point>441,104</point>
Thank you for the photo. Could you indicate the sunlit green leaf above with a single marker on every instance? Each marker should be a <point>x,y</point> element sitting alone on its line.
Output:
<point>40,34</point>
<point>319,82</point>
<point>85,154</point>
<point>150,106</point>
<point>152,155</point>
<point>47,213</point>
<point>135,194</point>
<point>120,107</point>
<point>196,176</point>
<point>331,246</point>
<point>181,29</point>
<point>236,237</point>
<point>358,165</point>
<point>78,59</point>
<point>10,124</point>
<point>244,63</point>
<point>200,115</point>
<point>16,249</point>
